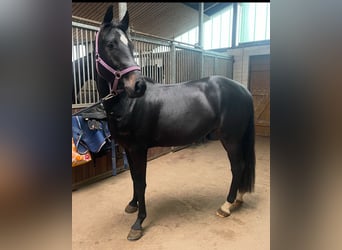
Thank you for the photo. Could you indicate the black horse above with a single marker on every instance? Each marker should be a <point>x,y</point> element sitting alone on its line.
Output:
<point>143,115</point>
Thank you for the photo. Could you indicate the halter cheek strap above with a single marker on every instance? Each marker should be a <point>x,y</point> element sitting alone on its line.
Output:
<point>117,74</point>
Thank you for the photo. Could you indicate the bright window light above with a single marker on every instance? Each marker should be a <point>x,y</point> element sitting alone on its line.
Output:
<point>253,24</point>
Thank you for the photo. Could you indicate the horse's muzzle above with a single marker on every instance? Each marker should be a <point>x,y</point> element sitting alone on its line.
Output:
<point>135,86</point>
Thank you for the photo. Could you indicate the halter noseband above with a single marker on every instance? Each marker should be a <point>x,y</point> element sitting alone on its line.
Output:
<point>117,74</point>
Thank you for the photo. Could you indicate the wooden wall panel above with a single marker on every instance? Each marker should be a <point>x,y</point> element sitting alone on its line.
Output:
<point>259,85</point>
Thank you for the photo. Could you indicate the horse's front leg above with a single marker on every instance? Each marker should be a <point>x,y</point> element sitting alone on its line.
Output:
<point>138,158</point>
<point>132,206</point>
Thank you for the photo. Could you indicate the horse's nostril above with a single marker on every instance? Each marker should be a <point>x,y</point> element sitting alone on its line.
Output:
<point>137,85</point>
<point>140,87</point>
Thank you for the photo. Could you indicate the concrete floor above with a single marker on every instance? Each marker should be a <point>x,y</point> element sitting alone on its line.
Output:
<point>184,189</point>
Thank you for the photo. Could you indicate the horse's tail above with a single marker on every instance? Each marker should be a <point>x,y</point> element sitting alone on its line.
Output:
<point>248,175</point>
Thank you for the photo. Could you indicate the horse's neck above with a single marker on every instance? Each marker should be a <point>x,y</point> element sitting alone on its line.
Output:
<point>119,105</point>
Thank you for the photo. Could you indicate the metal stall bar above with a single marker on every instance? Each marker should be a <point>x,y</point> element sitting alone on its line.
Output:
<point>78,66</point>
<point>83,87</point>
<point>96,95</point>
<point>84,76</point>
<point>73,63</point>
<point>89,86</point>
<point>173,64</point>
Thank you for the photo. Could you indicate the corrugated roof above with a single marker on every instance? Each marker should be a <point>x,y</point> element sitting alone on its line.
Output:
<point>161,19</point>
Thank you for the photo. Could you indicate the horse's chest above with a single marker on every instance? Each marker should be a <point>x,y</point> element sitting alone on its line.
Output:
<point>120,126</point>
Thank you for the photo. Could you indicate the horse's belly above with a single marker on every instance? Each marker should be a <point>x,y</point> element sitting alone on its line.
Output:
<point>182,132</point>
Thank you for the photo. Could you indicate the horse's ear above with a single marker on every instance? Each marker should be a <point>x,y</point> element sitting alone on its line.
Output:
<point>124,22</point>
<point>109,15</point>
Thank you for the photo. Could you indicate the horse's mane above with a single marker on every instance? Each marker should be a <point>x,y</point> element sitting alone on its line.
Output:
<point>148,79</point>
<point>151,81</point>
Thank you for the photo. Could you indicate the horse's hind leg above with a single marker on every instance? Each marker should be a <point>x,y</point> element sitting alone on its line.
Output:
<point>239,197</point>
<point>235,156</point>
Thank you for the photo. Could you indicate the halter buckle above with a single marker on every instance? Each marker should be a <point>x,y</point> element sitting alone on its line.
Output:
<point>117,74</point>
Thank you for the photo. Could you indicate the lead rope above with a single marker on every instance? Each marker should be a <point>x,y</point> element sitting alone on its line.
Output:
<point>106,98</point>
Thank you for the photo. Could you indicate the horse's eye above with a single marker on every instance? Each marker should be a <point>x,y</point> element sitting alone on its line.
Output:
<point>112,44</point>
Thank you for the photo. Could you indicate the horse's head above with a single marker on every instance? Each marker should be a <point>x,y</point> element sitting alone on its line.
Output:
<point>114,52</point>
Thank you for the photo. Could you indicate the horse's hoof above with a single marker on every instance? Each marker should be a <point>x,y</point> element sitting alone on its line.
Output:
<point>221,213</point>
<point>134,234</point>
<point>130,209</point>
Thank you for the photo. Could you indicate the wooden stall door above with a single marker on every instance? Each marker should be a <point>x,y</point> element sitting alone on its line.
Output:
<point>259,85</point>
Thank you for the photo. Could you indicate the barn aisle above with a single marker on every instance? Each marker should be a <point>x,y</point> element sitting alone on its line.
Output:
<point>184,189</point>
